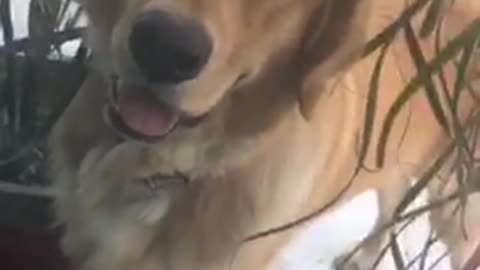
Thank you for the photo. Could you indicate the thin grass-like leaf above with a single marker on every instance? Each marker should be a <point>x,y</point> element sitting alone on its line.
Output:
<point>461,70</point>
<point>440,258</point>
<point>389,33</point>
<point>423,182</point>
<point>8,86</point>
<point>371,107</point>
<point>430,173</point>
<point>425,76</point>
<point>42,22</point>
<point>63,11</point>
<point>453,99</point>
<point>396,253</point>
<point>398,219</point>
<point>459,86</point>
<point>432,18</point>
<point>427,247</point>
<point>56,37</point>
<point>434,66</point>
<point>6,21</point>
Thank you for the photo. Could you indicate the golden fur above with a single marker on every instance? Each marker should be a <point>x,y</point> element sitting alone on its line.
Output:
<point>276,146</point>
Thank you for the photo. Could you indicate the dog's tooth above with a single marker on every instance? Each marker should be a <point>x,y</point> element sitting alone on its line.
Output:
<point>114,89</point>
<point>159,181</point>
<point>183,177</point>
<point>150,183</point>
<point>106,115</point>
<point>115,98</point>
<point>162,181</point>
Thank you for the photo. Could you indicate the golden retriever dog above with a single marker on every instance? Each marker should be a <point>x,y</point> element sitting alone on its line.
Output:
<point>205,122</point>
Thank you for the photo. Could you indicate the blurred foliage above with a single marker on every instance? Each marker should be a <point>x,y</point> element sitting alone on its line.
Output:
<point>37,81</point>
<point>461,158</point>
<point>464,149</point>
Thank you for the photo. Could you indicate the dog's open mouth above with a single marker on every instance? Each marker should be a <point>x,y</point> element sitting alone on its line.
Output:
<point>142,118</point>
<point>139,115</point>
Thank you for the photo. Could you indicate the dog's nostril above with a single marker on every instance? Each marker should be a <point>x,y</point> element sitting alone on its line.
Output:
<point>168,50</point>
<point>185,64</point>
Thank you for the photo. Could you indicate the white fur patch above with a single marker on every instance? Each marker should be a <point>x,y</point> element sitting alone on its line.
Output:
<point>331,235</point>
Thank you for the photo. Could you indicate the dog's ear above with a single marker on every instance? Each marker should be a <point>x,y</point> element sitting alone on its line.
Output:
<point>334,39</point>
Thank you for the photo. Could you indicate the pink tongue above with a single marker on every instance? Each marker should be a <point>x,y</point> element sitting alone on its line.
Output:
<point>146,115</point>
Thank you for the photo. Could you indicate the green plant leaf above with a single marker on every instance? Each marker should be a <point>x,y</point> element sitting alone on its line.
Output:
<point>435,65</point>
<point>432,18</point>
<point>389,33</point>
<point>42,22</point>
<point>396,253</point>
<point>371,107</point>
<point>426,77</point>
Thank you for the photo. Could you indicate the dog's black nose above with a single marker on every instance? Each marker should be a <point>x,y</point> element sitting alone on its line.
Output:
<point>168,49</point>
